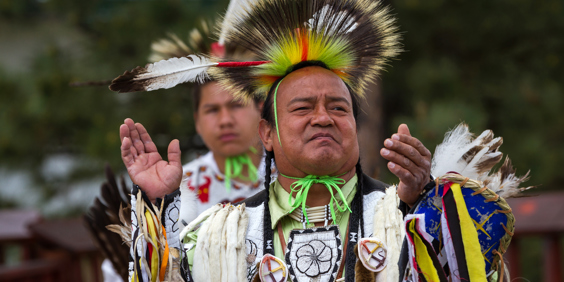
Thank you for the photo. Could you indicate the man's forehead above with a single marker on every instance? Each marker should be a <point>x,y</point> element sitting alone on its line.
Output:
<point>313,81</point>
<point>216,95</point>
<point>312,98</point>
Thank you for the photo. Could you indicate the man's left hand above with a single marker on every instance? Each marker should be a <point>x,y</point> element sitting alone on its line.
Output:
<point>410,161</point>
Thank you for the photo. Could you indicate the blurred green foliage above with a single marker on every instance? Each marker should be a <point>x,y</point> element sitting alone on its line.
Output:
<point>57,42</point>
<point>495,65</point>
<point>41,114</point>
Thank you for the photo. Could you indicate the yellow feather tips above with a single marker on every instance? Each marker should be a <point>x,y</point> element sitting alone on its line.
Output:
<point>299,46</point>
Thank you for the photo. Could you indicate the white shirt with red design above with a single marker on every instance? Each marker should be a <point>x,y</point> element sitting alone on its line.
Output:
<point>202,176</point>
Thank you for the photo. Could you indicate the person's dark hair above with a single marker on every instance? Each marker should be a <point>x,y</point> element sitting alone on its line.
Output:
<point>197,95</point>
<point>267,232</point>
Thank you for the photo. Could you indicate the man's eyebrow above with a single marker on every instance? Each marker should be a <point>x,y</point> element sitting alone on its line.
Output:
<point>338,99</point>
<point>313,98</point>
<point>303,99</point>
<point>210,105</point>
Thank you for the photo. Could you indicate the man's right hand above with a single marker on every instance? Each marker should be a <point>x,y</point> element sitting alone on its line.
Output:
<point>145,165</point>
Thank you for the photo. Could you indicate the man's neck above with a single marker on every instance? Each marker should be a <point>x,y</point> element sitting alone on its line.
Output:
<point>318,194</point>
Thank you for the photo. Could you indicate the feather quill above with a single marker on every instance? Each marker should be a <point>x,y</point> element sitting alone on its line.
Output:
<point>164,74</point>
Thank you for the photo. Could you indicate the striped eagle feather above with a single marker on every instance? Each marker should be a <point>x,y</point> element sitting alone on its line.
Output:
<point>164,74</point>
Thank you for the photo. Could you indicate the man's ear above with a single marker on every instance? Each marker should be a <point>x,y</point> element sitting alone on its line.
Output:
<point>265,133</point>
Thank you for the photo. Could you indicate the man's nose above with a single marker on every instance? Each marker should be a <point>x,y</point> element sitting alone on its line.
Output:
<point>225,116</point>
<point>321,117</point>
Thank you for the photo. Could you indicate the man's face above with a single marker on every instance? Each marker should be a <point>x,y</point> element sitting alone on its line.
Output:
<point>228,127</point>
<point>316,123</point>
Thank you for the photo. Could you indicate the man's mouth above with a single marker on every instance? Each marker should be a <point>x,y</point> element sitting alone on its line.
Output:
<point>322,137</point>
<point>227,137</point>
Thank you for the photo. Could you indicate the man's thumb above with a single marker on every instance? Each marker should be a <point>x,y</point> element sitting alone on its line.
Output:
<point>403,129</point>
<point>174,152</point>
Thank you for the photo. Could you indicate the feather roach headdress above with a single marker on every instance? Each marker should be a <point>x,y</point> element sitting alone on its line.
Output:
<point>353,38</point>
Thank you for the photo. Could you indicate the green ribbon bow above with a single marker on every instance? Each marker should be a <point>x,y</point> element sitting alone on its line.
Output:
<point>234,168</point>
<point>302,186</point>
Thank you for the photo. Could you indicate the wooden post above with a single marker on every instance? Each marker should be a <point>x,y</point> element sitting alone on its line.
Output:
<point>512,257</point>
<point>551,261</point>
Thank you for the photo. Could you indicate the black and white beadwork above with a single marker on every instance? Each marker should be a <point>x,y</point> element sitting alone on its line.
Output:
<point>314,253</point>
<point>252,252</point>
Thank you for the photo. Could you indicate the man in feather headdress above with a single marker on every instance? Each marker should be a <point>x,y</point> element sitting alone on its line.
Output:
<point>317,81</point>
<point>323,219</point>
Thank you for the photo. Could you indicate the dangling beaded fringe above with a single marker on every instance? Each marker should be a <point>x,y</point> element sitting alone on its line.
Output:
<point>314,214</point>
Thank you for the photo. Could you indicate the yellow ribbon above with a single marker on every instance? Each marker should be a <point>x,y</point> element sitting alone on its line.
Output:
<point>472,250</point>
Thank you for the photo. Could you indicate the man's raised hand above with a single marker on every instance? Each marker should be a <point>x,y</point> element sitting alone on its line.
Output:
<point>145,165</point>
<point>410,161</point>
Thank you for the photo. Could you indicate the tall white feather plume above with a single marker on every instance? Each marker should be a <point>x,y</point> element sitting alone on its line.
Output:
<point>326,14</point>
<point>475,158</point>
<point>164,74</point>
<point>236,9</point>
<point>470,157</point>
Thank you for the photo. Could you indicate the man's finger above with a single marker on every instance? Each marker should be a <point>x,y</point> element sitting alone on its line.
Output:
<point>398,149</point>
<point>403,129</point>
<point>403,174</point>
<point>397,159</point>
<point>404,135</point>
<point>133,150</point>
<point>126,154</point>
<point>123,132</point>
<point>150,146</point>
<point>134,134</point>
<point>174,153</point>
<point>413,142</point>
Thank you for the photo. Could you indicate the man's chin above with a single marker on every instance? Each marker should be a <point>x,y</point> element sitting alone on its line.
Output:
<point>233,150</point>
<point>324,164</point>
